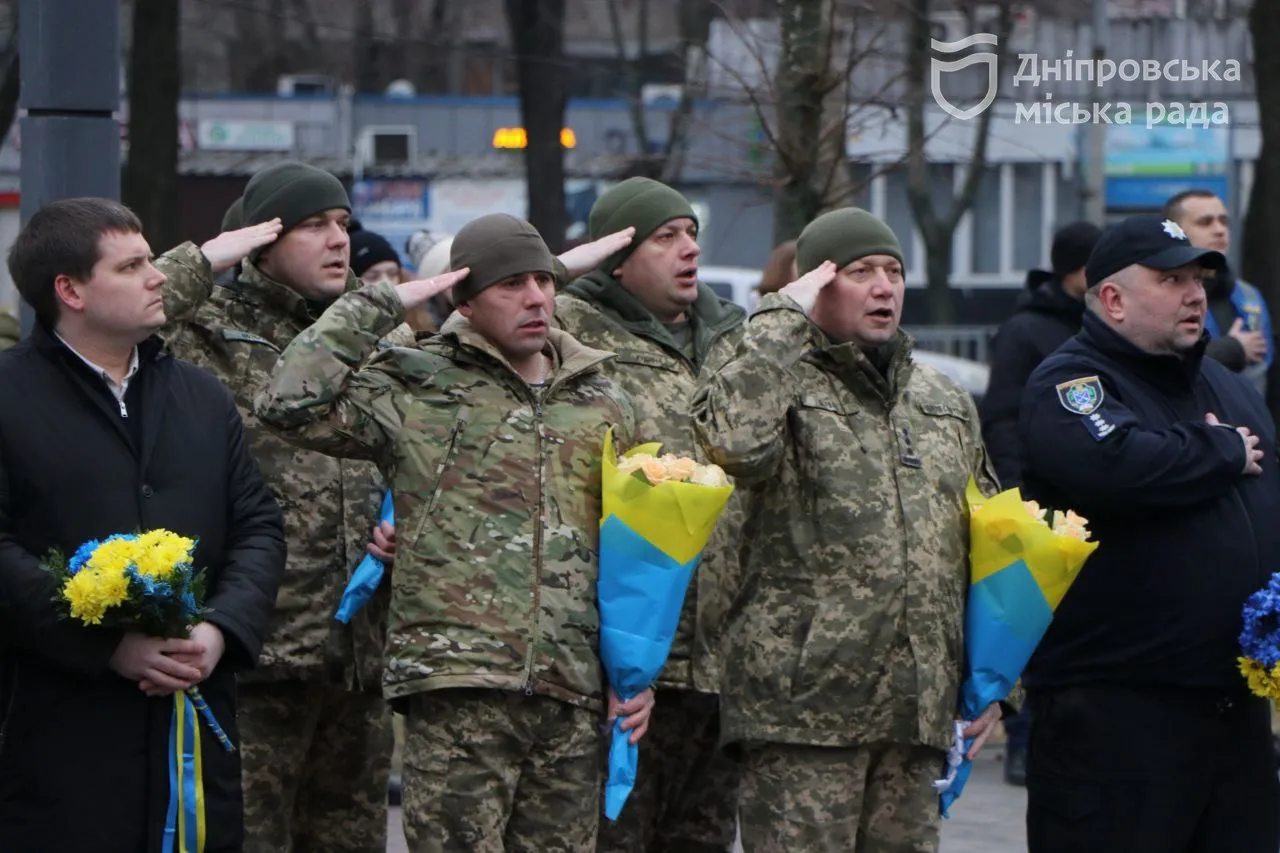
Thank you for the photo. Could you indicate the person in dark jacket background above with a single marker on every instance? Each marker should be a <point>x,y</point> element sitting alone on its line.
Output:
<point>1049,314</point>
<point>1144,735</point>
<point>105,433</point>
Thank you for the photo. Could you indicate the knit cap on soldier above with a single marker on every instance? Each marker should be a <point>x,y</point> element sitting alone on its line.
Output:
<point>842,237</point>
<point>495,248</point>
<point>640,203</point>
<point>291,192</point>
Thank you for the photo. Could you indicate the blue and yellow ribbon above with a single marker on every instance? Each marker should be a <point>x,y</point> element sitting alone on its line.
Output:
<point>184,826</point>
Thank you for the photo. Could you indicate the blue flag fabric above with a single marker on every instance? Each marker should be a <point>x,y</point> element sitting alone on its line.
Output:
<point>1005,619</point>
<point>641,591</point>
<point>368,574</point>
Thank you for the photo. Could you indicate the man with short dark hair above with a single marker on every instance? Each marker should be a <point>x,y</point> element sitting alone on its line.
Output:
<point>103,433</point>
<point>1144,735</point>
<point>1237,320</point>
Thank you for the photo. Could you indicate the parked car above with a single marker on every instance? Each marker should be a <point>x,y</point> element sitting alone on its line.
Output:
<point>737,284</point>
<point>972,376</point>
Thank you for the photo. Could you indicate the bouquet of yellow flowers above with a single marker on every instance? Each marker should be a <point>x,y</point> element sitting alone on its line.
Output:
<point>1023,559</point>
<point>146,582</point>
<point>658,513</point>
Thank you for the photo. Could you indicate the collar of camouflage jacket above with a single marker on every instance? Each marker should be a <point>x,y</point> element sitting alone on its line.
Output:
<point>257,286</point>
<point>884,373</point>
<point>569,358</point>
<point>711,316</point>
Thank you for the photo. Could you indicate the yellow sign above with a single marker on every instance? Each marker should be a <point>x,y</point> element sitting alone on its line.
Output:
<point>515,137</point>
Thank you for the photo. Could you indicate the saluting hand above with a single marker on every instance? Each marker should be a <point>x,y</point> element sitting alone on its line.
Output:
<point>581,260</point>
<point>806,288</point>
<point>417,293</point>
<point>231,247</point>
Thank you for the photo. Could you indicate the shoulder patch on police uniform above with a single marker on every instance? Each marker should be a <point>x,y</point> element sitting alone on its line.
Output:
<point>247,337</point>
<point>1081,396</point>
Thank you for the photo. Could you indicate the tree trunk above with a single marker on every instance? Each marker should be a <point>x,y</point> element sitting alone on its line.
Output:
<point>1261,253</point>
<point>542,72</point>
<point>937,271</point>
<point>368,74</point>
<point>149,184</point>
<point>937,228</point>
<point>803,65</point>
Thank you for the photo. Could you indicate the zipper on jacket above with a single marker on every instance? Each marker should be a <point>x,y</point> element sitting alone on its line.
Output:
<point>537,551</point>
<point>124,411</point>
<point>459,422</point>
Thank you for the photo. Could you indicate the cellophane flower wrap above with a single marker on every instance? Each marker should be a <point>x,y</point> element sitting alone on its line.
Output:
<point>657,514</point>
<point>1260,641</point>
<point>1022,560</point>
<point>147,583</point>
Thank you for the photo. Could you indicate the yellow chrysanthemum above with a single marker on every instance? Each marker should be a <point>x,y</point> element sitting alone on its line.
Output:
<point>159,551</point>
<point>113,556</point>
<point>1262,682</point>
<point>91,592</point>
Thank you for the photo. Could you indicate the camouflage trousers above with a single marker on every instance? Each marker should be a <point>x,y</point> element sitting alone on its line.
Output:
<point>686,794</point>
<point>315,765</point>
<point>495,771</point>
<point>812,799</point>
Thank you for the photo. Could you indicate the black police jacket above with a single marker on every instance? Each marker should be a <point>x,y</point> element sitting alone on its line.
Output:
<point>1121,437</point>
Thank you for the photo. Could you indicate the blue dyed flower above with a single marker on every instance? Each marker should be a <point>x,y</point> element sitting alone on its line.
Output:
<point>1260,637</point>
<point>82,555</point>
<point>189,606</point>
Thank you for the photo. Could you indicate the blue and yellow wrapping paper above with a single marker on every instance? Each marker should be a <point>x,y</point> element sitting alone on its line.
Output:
<point>651,538</point>
<point>1019,571</point>
<point>184,826</point>
<point>368,574</point>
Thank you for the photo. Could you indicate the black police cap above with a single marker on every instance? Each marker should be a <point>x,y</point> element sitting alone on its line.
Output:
<point>1151,241</point>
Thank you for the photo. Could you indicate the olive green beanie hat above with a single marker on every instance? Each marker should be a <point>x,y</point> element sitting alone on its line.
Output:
<point>496,247</point>
<point>842,236</point>
<point>642,203</point>
<point>233,219</point>
<point>292,192</point>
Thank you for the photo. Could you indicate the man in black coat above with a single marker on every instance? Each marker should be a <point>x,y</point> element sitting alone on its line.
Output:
<point>1144,735</point>
<point>102,433</point>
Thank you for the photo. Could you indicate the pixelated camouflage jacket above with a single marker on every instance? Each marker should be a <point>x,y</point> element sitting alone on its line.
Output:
<point>330,505</point>
<point>497,492</point>
<point>849,626</point>
<point>660,380</point>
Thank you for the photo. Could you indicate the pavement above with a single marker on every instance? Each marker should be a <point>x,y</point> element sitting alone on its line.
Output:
<point>989,818</point>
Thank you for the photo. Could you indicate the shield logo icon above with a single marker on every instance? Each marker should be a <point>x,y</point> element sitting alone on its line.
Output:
<point>937,66</point>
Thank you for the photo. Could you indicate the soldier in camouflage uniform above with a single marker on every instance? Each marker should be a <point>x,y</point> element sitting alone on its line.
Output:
<point>843,652</point>
<point>645,304</point>
<point>316,731</point>
<point>490,435</point>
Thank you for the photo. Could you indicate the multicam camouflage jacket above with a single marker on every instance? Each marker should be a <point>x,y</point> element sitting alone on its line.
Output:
<point>855,557</point>
<point>497,492</point>
<point>660,379</point>
<point>330,505</point>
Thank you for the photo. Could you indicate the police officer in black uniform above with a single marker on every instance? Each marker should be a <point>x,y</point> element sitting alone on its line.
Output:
<point>1144,736</point>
